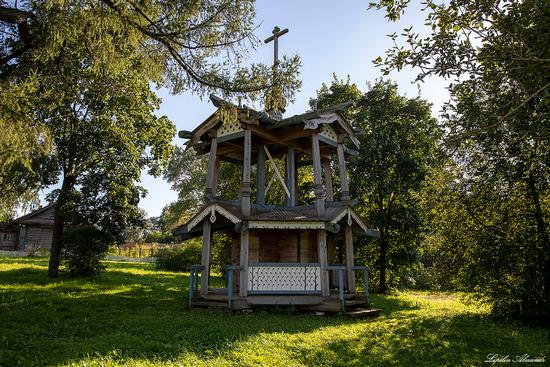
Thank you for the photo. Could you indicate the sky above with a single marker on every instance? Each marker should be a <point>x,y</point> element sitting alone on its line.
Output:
<point>341,37</point>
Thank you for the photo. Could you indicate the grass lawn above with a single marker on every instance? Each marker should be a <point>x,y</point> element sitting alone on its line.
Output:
<point>133,315</point>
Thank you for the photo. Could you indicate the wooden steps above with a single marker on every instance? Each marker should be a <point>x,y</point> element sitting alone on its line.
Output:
<point>355,306</point>
<point>284,301</point>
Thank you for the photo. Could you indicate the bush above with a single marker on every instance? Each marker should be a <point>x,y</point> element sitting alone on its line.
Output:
<point>180,257</point>
<point>83,249</point>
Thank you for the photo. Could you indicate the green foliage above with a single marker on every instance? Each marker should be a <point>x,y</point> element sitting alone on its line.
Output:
<point>186,172</point>
<point>80,59</point>
<point>134,315</point>
<point>221,252</point>
<point>482,242</point>
<point>85,247</point>
<point>398,145</point>
<point>179,257</point>
<point>158,236</point>
<point>496,57</point>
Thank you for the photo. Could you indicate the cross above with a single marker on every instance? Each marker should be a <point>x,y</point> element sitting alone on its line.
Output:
<point>276,34</point>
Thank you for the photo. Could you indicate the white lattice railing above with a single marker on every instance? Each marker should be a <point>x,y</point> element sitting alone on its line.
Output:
<point>284,278</point>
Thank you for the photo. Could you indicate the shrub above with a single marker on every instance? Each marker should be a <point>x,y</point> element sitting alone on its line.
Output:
<point>83,249</point>
<point>180,257</point>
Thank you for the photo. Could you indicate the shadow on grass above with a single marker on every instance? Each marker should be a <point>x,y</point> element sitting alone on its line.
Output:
<point>143,315</point>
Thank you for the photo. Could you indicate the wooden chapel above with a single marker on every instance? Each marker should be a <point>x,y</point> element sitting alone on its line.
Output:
<point>281,255</point>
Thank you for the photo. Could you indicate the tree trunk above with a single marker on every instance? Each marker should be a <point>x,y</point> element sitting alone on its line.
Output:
<point>382,287</point>
<point>541,228</point>
<point>58,224</point>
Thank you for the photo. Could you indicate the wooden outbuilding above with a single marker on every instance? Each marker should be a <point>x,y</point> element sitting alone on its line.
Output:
<point>280,254</point>
<point>30,232</point>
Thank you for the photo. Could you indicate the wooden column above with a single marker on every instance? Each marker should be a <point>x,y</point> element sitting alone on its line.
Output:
<point>243,279</point>
<point>205,259</point>
<point>211,174</point>
<point>348,234</point>
<point>245,184</point>
<point>328,181</point>
<point>323,261</point>
<point>260,179</point>
<point>290,177</point>
<point>318,184</point>
<point>215,177</point>
<point>344,186</point>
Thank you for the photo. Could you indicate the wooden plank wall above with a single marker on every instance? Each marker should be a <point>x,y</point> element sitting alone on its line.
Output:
<point>267,246</point>
<point>8,243</point>
<point>39,237</point>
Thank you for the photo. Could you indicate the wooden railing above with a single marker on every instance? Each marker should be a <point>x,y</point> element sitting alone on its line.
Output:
<point>341,269</point>
<point>280,278</point>
<point>365,271</point>
<point>284,278</point>
<point>194,271</point>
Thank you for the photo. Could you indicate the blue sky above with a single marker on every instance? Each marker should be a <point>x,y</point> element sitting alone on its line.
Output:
<point>341,37</point>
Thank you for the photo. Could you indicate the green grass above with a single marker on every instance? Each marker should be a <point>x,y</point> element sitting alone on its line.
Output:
<point>133,315</point>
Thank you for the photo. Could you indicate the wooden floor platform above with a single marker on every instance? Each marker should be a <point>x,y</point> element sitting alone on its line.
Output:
<point>355,305</point>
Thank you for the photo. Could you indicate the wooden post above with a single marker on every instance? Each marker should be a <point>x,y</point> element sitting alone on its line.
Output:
<point>323,261</point>
<point>243,279</point>
<point>328,180</point>
<point>348,234</point>
<point>260,179</point>
<point>205,259</point>
<point>344,187</point>
<point>318,184</point>
<point>215,177</point>
<point>210,176</point>
<point>290,177</point>
<point>245,184</point>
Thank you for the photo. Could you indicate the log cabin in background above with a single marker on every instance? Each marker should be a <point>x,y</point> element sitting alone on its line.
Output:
<point>30,232</point>
<point>281,255</point>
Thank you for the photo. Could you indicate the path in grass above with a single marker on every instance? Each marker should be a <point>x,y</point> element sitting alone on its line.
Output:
<point>135,315</point>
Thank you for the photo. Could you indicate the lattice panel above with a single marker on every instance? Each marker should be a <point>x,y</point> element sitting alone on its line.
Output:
<point>283,278</point>
<point>227,129</point>
<point>328,131</point>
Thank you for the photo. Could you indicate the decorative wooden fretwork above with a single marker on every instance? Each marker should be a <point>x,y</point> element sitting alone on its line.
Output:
<point>284,278</point>
<point>328,132</point>
<point>230,128</point>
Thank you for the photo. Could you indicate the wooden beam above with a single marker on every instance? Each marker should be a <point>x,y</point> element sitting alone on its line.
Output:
<point>318,184</point>
<point>243,279</point>
<point>323,261</point>
<point>260,177</point>
<point>230,160</point>
<point>282,138</point>
<point>274,166</point>
<point>344,186</point>
<point>290,177</point>
<point>230,137</point>
<point>205,258</point>
<point>328,180</point>
<point>348,239</point>
<point>245,184</point>
<point>215,177</point>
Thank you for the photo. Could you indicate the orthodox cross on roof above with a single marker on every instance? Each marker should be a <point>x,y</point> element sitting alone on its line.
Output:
<point>276,34</point>
<point>275,101</point>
